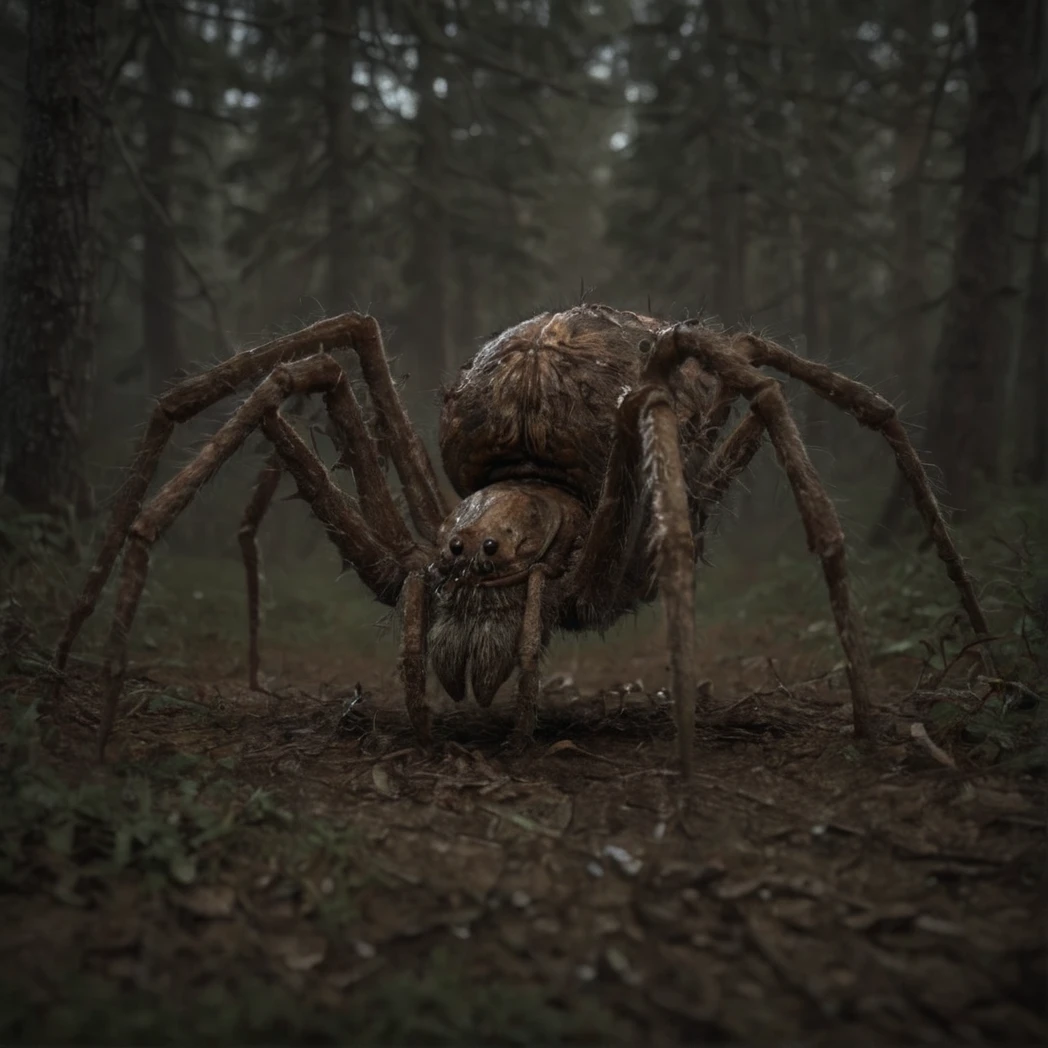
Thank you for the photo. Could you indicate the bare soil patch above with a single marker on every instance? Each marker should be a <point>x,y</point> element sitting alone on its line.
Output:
<point>291,867</point>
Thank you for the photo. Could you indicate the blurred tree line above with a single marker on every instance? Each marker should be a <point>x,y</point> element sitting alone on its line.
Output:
<point>182,178</point>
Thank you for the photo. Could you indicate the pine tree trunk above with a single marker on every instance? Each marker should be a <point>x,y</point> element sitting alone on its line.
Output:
<point>816,297</point>
<point>339,23</point>
<point>724,199</point>
<point>909,279</point>
<point>965,409</point>
<point>49,280</point>
<point>425,326</point>
<point>159,272</point>
<point>1032,388</point>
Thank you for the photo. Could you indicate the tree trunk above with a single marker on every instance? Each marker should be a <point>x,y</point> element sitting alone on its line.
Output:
<point>425,326</point>
<point>724,198</point>
<point>49,280</point>
<point>909,279</point>
<point>965,409</point>
<point>339,22</point>
<point>159,265</point>
<point>813,117</point>
<point>1032,399</point>
<point>816,297</point>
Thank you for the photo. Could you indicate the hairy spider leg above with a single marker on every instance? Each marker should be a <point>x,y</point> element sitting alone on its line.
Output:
<point>179,404</point>
<point>874,412</point>
<point>720,471</point>
<point>529,649</point>
<point>413,653</point>
<point>819,515</point>
<point>261,497</point>
<point>358,453</point>
<point>426,503</point>
<point>376,563</point>
<point>674,548</point>
<point>619,511</point>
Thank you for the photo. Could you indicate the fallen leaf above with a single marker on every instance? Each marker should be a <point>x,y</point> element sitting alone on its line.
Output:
<point>183,869</point>
<point>211,901</point>
<point>380,777</point>
<point>300,953</point>
<point>567,746</point>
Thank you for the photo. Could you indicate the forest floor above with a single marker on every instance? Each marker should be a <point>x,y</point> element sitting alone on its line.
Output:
<point>289,867</point>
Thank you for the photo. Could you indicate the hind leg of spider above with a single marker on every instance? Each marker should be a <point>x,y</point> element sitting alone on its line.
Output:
<point>376,564</point>
<point>358,454</point>
<point>179,404</point>
<point>261,497</point>
<point>425,501</point>
<point>818,513</point>
<point>714,479</point>
<point>874,412</point>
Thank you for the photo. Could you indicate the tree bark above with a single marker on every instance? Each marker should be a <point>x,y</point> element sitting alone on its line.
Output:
<point>909,279</point>
<point>48,324</point>
<point>1032,387</point>
<point>816,298</point>
<point>159,265</point>
<point>425,325</point>
<point>909,276</point>
<point>725,197</point>
<point>340,17</point>
<point>965,409</point>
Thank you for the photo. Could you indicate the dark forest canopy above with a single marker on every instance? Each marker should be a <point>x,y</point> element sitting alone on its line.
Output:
<point>835,173</point>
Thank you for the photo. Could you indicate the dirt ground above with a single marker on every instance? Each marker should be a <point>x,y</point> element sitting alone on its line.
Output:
<point>295,869</point>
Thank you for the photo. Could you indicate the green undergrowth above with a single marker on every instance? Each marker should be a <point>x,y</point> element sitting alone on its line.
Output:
<point>437,1003</point>
<point>70,832</point>
<point>995,710</point>
<point>175,838</point>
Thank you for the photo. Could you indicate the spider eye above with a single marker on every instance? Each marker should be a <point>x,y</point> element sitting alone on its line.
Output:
<point>490,546</point>
<point>455,545</point>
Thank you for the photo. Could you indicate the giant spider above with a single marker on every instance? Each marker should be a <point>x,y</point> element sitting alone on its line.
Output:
<point>584,447</point>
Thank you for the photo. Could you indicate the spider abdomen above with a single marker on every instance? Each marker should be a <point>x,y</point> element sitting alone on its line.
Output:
<point>539,401</point>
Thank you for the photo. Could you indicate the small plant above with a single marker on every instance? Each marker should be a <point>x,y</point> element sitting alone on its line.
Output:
<point>74,837</point>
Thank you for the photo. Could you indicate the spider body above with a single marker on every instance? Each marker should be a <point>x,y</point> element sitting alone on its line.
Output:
<point>586,447</point>
<point>541,400</point>
<point>526,433</point>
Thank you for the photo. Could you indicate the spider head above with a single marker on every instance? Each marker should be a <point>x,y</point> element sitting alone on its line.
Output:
<point>495,536</point>
<point>487,548</point>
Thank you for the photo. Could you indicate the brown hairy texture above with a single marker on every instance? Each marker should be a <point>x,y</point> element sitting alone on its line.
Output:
<point>179,404</point>
<point>533,634</point>
<point>414,615</point>
<point>541,400</point>
<point>357,452</point>
<point>674,550</point>
<point>425,502</point>
<point>261,497</point>
<point>718,474</point>
<point>586,448</point>
<point>473,639</point>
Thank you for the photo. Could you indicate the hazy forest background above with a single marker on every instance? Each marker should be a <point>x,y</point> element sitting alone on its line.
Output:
<point>866,180</point>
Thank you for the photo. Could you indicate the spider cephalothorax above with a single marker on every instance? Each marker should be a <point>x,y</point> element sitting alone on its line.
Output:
<point>486,550</point>
<point>585,446</point>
